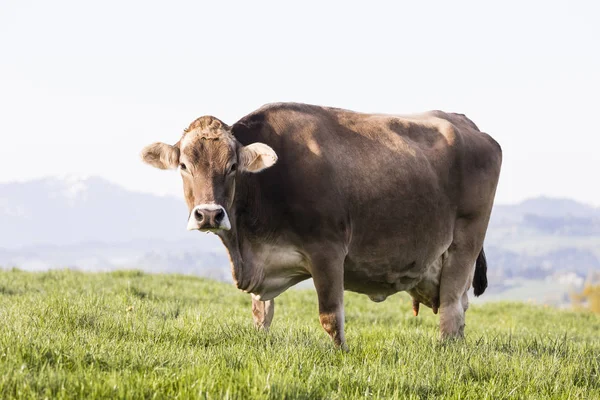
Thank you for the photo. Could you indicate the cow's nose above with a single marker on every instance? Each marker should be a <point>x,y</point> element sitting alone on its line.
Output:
<point>209,218</point>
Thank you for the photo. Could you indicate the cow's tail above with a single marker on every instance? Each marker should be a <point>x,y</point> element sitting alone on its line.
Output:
<point>480,281</point>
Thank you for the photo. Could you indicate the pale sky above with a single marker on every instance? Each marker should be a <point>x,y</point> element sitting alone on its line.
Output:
<point>85,85</point>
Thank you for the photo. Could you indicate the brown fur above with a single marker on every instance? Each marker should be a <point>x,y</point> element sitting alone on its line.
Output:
<point>362,202</point>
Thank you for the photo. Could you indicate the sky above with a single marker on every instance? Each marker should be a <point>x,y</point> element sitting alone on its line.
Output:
<point>85,85</point>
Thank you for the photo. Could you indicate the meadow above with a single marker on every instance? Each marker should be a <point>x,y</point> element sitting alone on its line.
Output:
<point>130,335</point>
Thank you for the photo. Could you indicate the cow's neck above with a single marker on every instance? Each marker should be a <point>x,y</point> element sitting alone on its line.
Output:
<point>250,211</point>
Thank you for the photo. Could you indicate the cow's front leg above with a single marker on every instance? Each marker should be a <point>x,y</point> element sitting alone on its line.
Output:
<point>262,312</point>
<point>328,276</point>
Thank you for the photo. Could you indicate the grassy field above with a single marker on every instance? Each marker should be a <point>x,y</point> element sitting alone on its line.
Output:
<point>133,335</point>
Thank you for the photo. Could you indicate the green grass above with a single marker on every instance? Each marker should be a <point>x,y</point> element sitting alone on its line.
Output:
<point>133,335</point>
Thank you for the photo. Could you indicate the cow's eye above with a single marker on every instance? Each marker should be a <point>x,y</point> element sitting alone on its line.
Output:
<point>232,168</point>
<point>183,167</point>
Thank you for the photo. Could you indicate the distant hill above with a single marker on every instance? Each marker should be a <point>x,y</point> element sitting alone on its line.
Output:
<point>93,224</point>
<point>547,207</point>
<point>70,211</point>
<point>543,247</point>
<point>551,216</point>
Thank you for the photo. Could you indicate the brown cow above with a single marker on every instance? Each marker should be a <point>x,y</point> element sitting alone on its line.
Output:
<point>370,203</point>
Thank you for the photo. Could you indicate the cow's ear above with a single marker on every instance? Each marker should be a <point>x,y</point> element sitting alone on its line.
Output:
<point>161,155</point>
<point>256,156</point>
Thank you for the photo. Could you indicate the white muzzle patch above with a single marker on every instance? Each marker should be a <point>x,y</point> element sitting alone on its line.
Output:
<point>194,224</point>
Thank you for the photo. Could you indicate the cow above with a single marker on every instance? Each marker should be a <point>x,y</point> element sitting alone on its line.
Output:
<point>370,203</point>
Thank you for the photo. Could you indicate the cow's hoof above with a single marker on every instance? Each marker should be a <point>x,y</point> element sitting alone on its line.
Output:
<point>453,336</point>
<point>342,347</point>
<point>261,328</point>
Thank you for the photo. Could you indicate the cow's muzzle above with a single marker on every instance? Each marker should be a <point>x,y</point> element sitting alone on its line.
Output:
<point>208,217</point>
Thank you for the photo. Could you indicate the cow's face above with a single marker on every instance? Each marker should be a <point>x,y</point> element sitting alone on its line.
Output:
<point>209,160</point>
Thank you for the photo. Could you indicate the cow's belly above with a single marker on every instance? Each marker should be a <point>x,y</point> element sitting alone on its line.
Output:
<point>393,265</point>
<point>402,252</point>
<point>382,280</point>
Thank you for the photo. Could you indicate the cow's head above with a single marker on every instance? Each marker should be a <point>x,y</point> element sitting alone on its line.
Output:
<point>209,160</point>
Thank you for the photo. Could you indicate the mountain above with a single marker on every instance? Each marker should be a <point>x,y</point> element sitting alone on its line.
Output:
<point>548,207</point>
<point>538,248</point>
<point>70,211</point>
<point>545,226</point>
<point>542,248</point>
<point>549,215</point>
<point>94,224</point>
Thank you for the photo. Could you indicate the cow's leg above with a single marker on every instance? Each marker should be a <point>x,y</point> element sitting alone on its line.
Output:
<point>457,275</point>
<point>262,312</point>
<point>454,283</point>
<point>328,276</point>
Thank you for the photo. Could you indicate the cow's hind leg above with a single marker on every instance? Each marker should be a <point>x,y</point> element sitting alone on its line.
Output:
<point>262,312</point>
<point>457,275</point>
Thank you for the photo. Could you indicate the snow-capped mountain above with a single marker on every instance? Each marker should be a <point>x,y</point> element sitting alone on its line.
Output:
<point>90,223</point>
<point>70,211</point>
